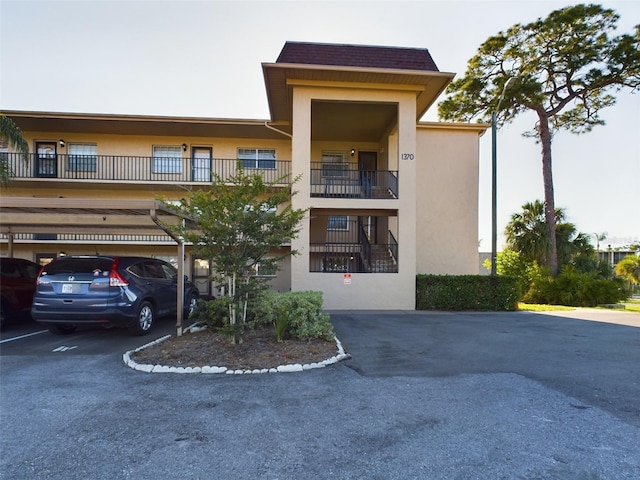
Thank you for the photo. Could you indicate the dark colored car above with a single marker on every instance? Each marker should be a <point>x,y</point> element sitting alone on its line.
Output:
<point>17,285</point>
<point>112,291</point>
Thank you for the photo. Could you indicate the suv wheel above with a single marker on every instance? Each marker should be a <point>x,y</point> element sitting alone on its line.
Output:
<point>144,320</point>
<point>61,328</point>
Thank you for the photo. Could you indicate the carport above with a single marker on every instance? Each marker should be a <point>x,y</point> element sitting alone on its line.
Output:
<point>91,215</point>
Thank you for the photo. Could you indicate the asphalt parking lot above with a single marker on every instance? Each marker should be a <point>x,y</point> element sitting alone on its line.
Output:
<point>426,395</point>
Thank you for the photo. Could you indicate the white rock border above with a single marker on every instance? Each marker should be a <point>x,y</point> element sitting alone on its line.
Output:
<point>296,367</point>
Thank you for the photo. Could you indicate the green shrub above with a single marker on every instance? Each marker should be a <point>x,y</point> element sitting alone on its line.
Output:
<point>576,289</point>
<point>213,312</point>
<point>466,292</point>
<point>263,311</point>
<point>513,264</point>
<point>294,314</point>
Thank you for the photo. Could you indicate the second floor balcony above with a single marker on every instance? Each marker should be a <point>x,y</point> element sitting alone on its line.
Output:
<point>347,180</point>
<point>132,169</point>
<point>326,180</point>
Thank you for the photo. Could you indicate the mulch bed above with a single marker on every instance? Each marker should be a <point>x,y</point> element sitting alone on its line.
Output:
<point>258,350</point>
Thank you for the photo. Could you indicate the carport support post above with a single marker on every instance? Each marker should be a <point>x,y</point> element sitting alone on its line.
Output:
<point>180,299</point>
<point>10,245</point>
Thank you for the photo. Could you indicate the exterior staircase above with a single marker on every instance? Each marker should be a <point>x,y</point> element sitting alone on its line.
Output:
<point>381,260</point>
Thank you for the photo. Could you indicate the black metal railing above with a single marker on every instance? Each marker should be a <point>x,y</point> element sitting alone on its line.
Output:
<point>139,169</point>
<point>346,180</point>
<point>351,258</point>
<point>393,247</point>
<point>366,244</point>
<point>336,258</point>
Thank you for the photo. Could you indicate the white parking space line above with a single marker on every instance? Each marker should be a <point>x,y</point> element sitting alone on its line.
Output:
<point>23,336</point>
<point>64,348</point>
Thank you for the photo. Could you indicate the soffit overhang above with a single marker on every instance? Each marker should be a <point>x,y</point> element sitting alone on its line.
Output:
<point>280,78</point>
<point>478,127</point>
<point>142,125</point>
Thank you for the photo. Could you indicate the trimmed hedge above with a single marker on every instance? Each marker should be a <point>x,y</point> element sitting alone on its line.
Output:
<point>466,292</point>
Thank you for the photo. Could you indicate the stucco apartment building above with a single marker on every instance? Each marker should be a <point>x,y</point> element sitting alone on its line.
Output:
<point>388,196</point>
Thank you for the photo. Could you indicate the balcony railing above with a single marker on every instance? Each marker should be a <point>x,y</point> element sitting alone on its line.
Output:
<point>352,258</point>
<point>139,169</point>
<point>345,180</point>
<point>90,238</point>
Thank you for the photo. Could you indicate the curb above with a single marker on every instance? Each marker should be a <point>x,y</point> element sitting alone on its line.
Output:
<point>296,367</point>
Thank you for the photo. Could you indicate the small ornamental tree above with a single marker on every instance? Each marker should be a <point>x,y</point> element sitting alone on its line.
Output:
<point>563,68</point>
<point>240,222</point>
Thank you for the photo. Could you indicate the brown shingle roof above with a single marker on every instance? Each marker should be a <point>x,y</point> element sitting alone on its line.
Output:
<point>396,58</point>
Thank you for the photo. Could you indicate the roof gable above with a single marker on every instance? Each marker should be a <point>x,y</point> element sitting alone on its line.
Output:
<point>396,58</point>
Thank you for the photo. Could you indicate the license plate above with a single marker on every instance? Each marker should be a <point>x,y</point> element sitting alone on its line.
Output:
<point>67,288</point>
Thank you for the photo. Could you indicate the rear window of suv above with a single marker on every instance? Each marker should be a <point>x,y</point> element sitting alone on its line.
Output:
<point>78,265</point>
<point>152,269</point>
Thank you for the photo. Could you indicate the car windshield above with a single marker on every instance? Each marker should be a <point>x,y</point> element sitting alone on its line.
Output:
<point>78,265</point>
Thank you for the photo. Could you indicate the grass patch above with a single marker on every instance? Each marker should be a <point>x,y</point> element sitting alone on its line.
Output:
<point>538,307</point>
<point>630,306</point>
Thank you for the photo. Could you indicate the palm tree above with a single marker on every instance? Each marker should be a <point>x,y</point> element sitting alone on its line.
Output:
<point>629,268</point>
<point>528,234</point>
<point>599,238</point>
<point>10,132</point>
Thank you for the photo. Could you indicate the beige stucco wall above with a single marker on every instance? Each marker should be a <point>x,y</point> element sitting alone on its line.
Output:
<point>366,291</point>
<point>447,199</point>
<point>142,145</point>
<point>282,281</point>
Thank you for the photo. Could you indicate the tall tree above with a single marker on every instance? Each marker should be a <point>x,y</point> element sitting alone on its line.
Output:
<point>10,132</point>
<point>240,223</point>
<point>564,68</point>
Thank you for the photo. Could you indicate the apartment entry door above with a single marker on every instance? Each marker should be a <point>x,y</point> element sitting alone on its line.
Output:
<point>201,164</point>
<point>46,160</point>
<point>367,163</point>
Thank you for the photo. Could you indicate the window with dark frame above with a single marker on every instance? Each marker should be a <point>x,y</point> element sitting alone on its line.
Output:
<point>338,222</point>
<point>334,164</point>
<point>257,158</point>
<point>167,159</point>
<point>82,157</point>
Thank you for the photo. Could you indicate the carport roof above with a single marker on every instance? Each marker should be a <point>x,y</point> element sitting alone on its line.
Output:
<point>84,215</point>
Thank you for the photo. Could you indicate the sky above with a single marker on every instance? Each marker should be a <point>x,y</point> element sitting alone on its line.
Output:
<point>203,59</point>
